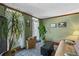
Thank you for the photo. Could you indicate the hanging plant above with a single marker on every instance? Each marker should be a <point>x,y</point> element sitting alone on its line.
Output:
<point>15,31</point>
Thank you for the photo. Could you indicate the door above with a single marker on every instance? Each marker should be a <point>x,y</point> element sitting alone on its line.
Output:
<point>3,34</point>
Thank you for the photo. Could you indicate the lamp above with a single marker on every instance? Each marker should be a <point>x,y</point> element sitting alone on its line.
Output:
<point>74,36</point>
<point>76,33</point>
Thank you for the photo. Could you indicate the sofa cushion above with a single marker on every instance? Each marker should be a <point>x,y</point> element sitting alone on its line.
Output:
<point>71,42</point>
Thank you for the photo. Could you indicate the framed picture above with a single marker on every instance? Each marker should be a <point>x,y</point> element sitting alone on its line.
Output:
<point>53,25</point>
<point>62,24</point>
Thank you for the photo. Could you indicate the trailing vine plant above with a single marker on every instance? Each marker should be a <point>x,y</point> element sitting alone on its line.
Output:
<point>15,31</point>
<point>13,28</point>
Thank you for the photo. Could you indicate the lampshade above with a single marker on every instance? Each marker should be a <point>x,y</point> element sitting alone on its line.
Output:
<point>74,36</point>
<point>76,33</point>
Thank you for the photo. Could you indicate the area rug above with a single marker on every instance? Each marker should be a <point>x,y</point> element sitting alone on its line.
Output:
<point>30,52</point>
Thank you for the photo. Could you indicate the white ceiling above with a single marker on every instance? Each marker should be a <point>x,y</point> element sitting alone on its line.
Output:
<point>45,10</point>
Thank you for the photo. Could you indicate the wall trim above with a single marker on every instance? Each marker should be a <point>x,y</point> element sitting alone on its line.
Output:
<point>61,15</point>
<point>37,17</point>
<point>17,10</point>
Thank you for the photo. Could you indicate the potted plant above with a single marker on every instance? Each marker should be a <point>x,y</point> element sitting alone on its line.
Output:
<point>42,31</point>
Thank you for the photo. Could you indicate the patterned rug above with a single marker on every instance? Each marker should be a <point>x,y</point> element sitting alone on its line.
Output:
<point>30,52</point>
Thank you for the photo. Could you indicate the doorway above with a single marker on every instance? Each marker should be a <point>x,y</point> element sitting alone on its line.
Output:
<point>35,30</point>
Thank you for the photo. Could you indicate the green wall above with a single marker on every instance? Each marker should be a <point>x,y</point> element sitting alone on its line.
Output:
<point>56,34</point>
<point>28,25</point>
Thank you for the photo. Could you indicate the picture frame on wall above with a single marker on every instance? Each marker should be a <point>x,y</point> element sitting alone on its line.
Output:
<point>62,24</point>
<point>53,25</point>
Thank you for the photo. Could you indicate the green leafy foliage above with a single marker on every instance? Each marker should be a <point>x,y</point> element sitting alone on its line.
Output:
<point>15,24</point>
<point>42,30</point>
<point>15,30</point>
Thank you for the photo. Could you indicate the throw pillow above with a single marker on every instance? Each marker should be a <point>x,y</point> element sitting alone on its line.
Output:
<point>70,42</point>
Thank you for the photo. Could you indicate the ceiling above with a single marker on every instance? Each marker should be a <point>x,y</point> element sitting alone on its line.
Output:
<point>46,10</point>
